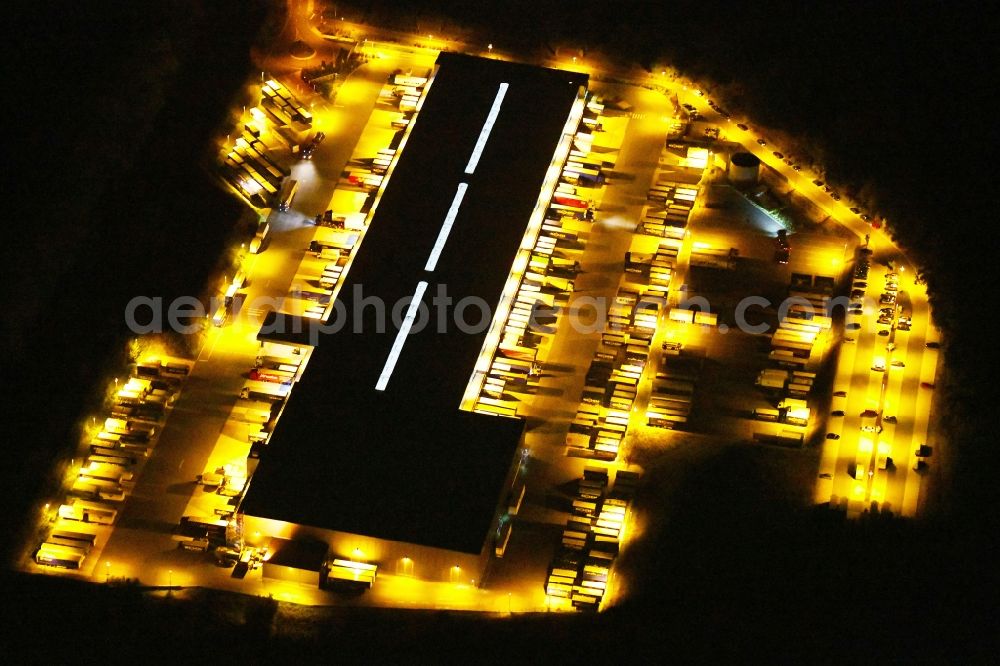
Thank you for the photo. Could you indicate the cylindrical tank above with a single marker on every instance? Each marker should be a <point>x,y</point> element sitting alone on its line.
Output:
<point>744,168</point>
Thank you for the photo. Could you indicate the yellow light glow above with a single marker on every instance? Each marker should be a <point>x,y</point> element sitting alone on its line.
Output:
<point>798,412</point>
<point>251,187</point>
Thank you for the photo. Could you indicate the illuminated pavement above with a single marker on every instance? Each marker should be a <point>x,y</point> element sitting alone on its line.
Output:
<point>538,527</point>
<point>200,434</point>
<point>901,489</point>
<point>227,355</point>
<point>898,489</point>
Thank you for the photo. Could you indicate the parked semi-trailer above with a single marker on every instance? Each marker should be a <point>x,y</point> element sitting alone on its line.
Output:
<point>88,511</point>
<point>54,555</point>
<point>97,489</point>
<point>84,538</point>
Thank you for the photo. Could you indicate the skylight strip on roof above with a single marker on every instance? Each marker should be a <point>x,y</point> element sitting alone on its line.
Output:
<point>484,134</point>
<point>404,330</point>
<point>449,220</point>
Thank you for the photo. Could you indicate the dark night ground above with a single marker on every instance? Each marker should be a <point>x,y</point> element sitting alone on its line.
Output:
<point>106,143</point>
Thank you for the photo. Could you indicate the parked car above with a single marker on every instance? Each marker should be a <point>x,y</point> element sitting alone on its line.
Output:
<point>932,345</point>
<point>927,385</point>
<point>762,142</point>
<point>837,412</point>
<point>840,394</point>
<point>832,435</point>
<point>742,126</point>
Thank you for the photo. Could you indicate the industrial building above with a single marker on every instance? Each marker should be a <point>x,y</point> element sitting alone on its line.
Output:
<point>377,453</point>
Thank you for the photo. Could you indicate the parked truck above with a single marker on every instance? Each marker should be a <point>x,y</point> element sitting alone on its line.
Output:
<point>287,194</point>
<point>96,470</point>
<point>55,555</point>
<point>257,243</point>
<point>88,511</point>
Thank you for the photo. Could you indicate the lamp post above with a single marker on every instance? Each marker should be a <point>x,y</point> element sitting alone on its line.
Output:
<point>107,572</point>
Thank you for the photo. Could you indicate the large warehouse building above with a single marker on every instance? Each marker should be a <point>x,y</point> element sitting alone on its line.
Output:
<point>373,455</point>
